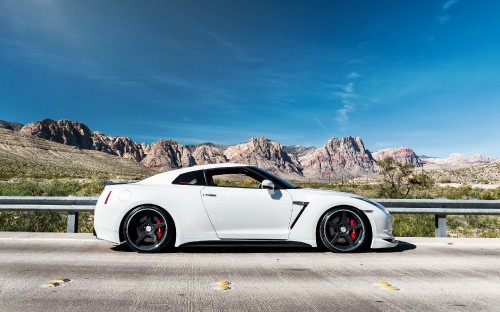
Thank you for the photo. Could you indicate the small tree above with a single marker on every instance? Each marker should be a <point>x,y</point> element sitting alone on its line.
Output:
<point>399,178</point>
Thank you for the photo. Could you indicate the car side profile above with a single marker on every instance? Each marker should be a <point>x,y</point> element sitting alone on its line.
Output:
<point>236,202</point>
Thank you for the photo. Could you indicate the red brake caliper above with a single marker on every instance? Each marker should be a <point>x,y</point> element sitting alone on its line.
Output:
<point>160,231</point>
<point>354,232</point>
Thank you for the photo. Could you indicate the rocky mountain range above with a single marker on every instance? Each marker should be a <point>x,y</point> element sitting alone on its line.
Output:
<point>456,160</point>
<point>404,154</point>
<point>338,157</point>
<point>266,154</point>
<point>77,134</point>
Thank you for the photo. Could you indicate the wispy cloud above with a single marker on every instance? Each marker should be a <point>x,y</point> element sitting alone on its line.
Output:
<point>353,75</point>
<point>216,37</point>
<point>320,124</point>
<point>445,17</point>
<point>349,88</point>
<point>342,114</point>
<point>449,4</point>
<point>442,19</point>
<point>164,78</point>
<point>234,49</point>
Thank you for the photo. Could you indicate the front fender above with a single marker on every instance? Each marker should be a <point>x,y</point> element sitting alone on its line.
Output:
<point>305,228</point>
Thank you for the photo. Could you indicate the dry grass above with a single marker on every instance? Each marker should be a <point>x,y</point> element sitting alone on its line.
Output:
<point>467,174</point>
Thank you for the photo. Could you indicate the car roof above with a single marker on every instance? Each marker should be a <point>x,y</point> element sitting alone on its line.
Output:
<point>169,176</point>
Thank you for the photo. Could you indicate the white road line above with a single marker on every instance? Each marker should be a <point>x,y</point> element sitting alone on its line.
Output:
<point>457,244</point>
<point>30,239</point>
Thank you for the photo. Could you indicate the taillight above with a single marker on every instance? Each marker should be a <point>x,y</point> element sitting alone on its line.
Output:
<point>107,197</point>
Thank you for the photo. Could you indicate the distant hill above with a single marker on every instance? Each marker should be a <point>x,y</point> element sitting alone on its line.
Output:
<point>14,126</point>
<point>28,156</point>
<point>457,160</point>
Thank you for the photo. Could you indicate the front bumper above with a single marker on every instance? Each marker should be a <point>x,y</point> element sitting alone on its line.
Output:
<point>384,243</point>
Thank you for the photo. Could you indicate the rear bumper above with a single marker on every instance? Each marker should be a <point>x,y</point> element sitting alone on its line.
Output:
<point>107,235</point>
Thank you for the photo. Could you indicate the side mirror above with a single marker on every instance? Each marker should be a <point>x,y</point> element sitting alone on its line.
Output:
<point>266,184</point>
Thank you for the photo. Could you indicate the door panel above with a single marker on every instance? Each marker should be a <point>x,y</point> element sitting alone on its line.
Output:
<point>246,213</point>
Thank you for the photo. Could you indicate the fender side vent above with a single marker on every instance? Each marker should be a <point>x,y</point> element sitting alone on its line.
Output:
<point>304,205</point>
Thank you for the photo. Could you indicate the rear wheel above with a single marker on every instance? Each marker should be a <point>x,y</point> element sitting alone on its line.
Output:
<point>343,230</point>
<point>148,229</point>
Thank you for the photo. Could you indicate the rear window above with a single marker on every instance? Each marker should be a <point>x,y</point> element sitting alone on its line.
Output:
<point>190,178</point>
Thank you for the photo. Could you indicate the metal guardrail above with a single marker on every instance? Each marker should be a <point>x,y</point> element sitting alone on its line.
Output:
<point>71,205</point>
<point>440,208</point>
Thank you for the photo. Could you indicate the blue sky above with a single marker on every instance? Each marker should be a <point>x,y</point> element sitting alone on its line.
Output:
<point>423,74</point>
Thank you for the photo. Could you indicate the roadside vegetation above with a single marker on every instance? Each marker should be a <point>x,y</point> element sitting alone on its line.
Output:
<point>47,221</point>
<point>397,180</point>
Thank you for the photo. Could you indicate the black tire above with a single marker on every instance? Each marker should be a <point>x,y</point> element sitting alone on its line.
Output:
<point>344,229</point>
<point>148,229</point>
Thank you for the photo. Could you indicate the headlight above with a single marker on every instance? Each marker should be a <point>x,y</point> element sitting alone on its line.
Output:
<point>379,206</point>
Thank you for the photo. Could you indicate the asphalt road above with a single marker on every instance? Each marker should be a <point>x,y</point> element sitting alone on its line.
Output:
<point>430,275</point>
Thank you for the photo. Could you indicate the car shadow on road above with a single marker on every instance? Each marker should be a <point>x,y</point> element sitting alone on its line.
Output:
<point>259,247</point>
<point>401,247</point>
<point>233,247</point>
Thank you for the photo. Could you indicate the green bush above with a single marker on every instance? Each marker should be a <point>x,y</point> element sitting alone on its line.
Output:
<point>55,187</point>
<point>408,225</point>
<point>473,226</point>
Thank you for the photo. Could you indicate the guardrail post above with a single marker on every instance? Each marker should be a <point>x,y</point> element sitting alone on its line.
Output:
<point>440,225</point>
<point>72,226</point>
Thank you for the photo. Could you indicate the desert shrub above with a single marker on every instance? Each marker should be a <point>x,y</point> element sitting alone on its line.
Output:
<point>462,192</point>
<point>42,221</point>
<point>444,180</point>
<point>33,221</point>
<point>473,226</point>
<point>409,225</point>
<point>492,194</point>
<point>401,180</point>
<point>55,187</point>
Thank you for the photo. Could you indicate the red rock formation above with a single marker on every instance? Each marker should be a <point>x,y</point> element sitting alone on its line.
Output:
<point>403,154</point>
<point>266,154</point>
<point>344,157</point>
<point>166,155</point>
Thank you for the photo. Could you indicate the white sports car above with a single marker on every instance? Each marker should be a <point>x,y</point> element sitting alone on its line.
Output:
<point>238,203</point>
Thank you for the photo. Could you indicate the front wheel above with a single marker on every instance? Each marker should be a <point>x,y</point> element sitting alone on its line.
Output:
<point>147,229</point>
<point>343,230</point>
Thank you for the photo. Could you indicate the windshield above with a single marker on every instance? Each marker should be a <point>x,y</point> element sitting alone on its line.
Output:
<point>283,183</point>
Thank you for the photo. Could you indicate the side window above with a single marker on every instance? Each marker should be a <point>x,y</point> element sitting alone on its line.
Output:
<point>190,178</point>
<point>237,177</point>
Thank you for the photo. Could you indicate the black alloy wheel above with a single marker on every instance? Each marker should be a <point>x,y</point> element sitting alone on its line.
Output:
<point>147,229</point>
<point>343,230</point>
